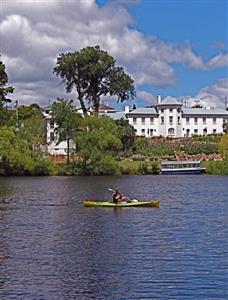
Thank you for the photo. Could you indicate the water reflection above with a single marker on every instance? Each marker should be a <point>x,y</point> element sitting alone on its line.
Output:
<point>58,249</point>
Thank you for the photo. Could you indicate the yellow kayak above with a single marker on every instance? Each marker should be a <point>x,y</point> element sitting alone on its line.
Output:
<point>152,203</point>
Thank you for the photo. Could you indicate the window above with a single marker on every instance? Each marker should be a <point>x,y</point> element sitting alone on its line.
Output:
<point>162,110</point>
<point>187,120</point>
<point>170,120</point>
<point>143,121</point>
<point>195,131</point>
<point>214,131</point>
<point>171,131</point>
<point>52,124</point>
<point>151,132</point>
<point>162,120</point>
<point>134,121</point>
<point>143,131</point>
<point>205,131</point>
<point>214,120</point>
<point>171,109</point>
<point>151,121</point>
<point>195,121</point>
<point>188,132</point>
<point>204,120</point>
<point>178,110</point>
<point>179,120</point>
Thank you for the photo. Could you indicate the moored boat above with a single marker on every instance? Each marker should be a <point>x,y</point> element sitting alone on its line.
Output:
<point>182,167</point>
<point>153,203</point>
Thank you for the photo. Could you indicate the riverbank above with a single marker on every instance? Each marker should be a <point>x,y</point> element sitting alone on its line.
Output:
<point>134,167</point>
<point>124,167</point>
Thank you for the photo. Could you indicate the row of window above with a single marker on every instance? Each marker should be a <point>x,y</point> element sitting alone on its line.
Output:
<point>143,120</point>
<point>171,120</point>
<point>171,110</point>
<point>203,119</point>
<point>195,131</point>
<point>171,131</point>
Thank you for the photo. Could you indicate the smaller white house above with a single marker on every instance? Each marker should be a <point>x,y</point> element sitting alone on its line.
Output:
<point>53,147</point>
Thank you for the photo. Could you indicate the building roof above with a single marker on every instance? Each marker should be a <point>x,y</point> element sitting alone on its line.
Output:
<point>106,108</point>
<point>115,115</point>
<point>169,101</point>
<point>143,111</point>
<point>205,111</point>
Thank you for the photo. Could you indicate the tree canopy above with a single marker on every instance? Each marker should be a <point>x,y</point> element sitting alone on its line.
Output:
<point>98,144</point>
<point>93,73</point>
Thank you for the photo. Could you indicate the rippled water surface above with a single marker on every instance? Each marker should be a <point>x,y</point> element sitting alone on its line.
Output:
<point>51,247</point>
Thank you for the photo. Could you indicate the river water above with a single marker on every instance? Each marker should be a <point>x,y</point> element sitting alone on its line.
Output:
<point>51,247</point>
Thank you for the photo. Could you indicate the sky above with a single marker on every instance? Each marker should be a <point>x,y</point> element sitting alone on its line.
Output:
<point>172,48</point>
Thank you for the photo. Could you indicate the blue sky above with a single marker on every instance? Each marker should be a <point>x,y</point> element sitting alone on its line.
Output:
<point>203,24</point>
<point>172,48</point>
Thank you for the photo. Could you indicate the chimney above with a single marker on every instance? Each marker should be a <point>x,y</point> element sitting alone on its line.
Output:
<point>126,109</point>
<point>158,99</point>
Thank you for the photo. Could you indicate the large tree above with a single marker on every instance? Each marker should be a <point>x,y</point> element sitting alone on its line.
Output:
<point>93,72</point>
<point>67,119</point>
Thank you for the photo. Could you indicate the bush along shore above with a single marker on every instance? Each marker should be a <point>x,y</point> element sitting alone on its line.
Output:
<point>31,161</point>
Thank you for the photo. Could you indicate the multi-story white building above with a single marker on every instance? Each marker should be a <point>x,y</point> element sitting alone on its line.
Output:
<point>170,119</point>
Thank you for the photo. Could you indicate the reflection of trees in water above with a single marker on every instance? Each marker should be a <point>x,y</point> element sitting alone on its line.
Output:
<point>3,192</point>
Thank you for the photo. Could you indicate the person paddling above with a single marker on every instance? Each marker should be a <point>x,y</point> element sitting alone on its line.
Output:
<point>117,197</point>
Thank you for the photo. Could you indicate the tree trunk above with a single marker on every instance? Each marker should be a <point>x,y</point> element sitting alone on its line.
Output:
<point>96,104</point>
<point>68,151</point>
<point>80,98</point>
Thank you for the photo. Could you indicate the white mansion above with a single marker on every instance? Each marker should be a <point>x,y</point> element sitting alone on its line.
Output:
<point>168,118</point>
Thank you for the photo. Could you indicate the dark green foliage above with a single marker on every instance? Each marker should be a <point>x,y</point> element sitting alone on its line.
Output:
<point>223,146</point>
<point>20,154</point>
<point>93,73</point>
<point>127,134</point>
<point>4,91</point>
<point>128,167</point>
<point>98,144</point>
<point>217,167</point>
<point>152,168</point>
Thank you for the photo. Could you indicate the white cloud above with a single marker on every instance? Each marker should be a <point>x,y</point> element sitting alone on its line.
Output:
<point>34,32</point>
<point>220,60</point>
<point>147,97</point>
<point>215,94</point>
